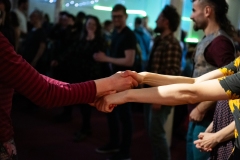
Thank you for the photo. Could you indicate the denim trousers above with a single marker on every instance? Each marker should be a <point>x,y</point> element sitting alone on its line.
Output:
<point>193,131</point>
<point>158,138</point>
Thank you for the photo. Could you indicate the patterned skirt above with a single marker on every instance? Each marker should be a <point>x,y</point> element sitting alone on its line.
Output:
<point>222,118</point>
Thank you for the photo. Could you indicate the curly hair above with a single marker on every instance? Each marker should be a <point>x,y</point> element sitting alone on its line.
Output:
<point>221,9</point>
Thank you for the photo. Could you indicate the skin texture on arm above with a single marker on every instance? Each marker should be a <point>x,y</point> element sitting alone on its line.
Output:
<point>207,141</point>
<point>171,95</point>
<point>210,128</point>
<point>154,79</point>
<point>210,75</point>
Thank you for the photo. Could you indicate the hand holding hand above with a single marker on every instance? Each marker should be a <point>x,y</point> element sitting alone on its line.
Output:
<point>206,141</point>
<point>107,103</point>
<point>137,76</point>
<point>121,83</point>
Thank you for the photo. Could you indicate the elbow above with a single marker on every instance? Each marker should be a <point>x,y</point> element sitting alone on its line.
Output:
<point>190,97</point>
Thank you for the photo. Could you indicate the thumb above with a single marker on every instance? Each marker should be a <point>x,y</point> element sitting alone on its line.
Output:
<point>126,73</point>
<point>201,135</point>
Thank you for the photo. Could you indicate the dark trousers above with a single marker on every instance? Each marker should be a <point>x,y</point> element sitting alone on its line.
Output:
<point>86,111</point>
<point>123,114</point>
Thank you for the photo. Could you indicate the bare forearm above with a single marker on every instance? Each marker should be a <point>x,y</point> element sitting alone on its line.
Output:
<point>226,133</point>
<point>121,61</point>
<point>178,93</point>
<point>210,75</point>
<point>206,105</point>
<point>154,79</point>
<point>209,128</point>
<point>103,85</point>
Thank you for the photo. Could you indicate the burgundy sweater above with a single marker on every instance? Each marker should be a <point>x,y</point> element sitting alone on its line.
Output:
<point>16,74</point>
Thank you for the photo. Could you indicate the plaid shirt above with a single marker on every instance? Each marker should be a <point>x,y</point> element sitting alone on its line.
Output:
<point>166,56</point>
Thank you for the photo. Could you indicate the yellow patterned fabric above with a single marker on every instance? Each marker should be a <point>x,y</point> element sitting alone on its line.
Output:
<point>231,84</point>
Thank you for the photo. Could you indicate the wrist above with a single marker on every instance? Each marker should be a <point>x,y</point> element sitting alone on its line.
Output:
<point>103,85</point>
<point>200,111</point>
<point>218,138</point>
<point>143,77</point>
<point>127,96</point>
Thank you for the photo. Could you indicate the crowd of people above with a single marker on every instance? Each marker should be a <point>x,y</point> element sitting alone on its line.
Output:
<point>85,56</point>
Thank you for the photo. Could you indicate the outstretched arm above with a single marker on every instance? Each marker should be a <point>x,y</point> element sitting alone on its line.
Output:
<point>168,95</point>
<point>153,79</point>
<point>17,74</point>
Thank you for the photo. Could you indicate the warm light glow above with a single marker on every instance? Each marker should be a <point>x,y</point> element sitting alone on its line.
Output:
<point>104,8</point>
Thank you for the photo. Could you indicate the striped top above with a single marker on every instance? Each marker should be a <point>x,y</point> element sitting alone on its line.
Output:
<point>16,74</point>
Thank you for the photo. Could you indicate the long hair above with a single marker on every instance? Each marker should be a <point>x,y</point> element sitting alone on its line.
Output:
<point>221,9</point>
<point>98,32</point>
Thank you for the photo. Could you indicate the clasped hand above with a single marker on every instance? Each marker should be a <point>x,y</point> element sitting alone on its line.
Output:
<point>206,141</point>
<point>122,81</point>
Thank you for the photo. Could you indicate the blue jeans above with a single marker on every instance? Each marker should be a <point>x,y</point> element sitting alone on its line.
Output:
<point>157,133</point>
<point>193,131</point>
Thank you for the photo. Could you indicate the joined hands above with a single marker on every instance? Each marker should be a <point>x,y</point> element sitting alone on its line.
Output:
<point>119,83</point>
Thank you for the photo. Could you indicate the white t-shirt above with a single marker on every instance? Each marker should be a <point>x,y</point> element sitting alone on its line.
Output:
<point>22,21</point>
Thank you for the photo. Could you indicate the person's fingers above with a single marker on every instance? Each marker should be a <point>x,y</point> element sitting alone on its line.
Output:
<point>134,82</point>
<point>126,73</point>
<point>112,106</point>
<point>201,135</point>
<point>209,150</point>
<point>197,141</point>
<point>198,146</point>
